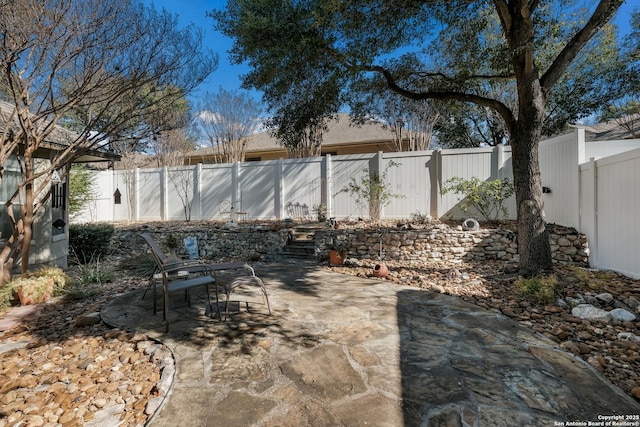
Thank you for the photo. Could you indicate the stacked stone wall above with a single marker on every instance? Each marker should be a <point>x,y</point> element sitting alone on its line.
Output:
<point>214,242</point>
<point>443,243</point>
<point>438,242</point>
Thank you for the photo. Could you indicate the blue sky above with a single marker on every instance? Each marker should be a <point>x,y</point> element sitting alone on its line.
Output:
<point>194,11</point>
<point>227,75</point>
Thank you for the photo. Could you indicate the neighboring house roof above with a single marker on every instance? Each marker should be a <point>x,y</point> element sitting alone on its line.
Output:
<point>340,133</point>
<point>58,140</point>
<point>613,130</point>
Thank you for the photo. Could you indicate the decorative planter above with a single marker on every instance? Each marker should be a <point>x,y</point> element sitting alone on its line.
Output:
<point>30,295</point>
<point>380,270</point>
<point>336,258</point>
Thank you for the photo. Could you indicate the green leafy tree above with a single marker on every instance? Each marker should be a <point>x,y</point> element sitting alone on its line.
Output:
<point>315,51</point>
<point>82,189</point>
<point>625,110</point>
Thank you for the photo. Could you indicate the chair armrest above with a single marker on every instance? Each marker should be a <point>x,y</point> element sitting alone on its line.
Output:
<point>231,266</point>
<point>190,266</point>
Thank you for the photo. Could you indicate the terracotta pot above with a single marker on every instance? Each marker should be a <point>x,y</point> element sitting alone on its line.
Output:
<point>24,296</point>
<point>380,270</point>
<point>336,258</point>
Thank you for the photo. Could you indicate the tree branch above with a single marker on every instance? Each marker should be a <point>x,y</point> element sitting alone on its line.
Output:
<point>498,106</point>
<point>603,12</point>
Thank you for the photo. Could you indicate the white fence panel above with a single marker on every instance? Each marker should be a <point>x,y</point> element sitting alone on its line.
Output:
<point>346,168</point>
<point>559,163</point>
<point>179,199</point>
<point>101,206</point>
<point>303,183</point>
<point>599,149</point>
<point>123,183</point>
<point>588,206</point>
<point>410,179</point>
<point>618,205</point>
<point>256,183</point>
<point>463,163</point>
<point>215,191</point>
<point>148,195</point>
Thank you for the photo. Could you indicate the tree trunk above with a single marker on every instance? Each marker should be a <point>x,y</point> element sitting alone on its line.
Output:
<point>27,213</point>
<point>533,237</point>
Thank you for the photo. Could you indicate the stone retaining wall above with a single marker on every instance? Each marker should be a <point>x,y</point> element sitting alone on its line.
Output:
<point>444,243</point>
<point>214,242</point>
<point>438,242</point>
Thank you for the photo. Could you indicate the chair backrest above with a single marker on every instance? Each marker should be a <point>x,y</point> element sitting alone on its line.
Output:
<point>157,253</point>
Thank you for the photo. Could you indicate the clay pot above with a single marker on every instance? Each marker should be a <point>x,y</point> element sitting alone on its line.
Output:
<point>336,258</point>
<point>380,270</point>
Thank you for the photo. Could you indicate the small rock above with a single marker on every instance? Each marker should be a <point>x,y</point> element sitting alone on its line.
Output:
<point>622,315</point>
<point>88,319</point>
<point>153,405</point>
<point>628,336</point>
<point>605,298</point>
<point>552,309</point>
<point>570,346</point>
<point>509,313</point>
<point>589,312</point>
<point>636,392</point>
<point>633,302</point>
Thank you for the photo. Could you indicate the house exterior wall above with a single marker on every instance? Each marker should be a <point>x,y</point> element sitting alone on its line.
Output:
<point>281,153</point>
<point>45,248</point>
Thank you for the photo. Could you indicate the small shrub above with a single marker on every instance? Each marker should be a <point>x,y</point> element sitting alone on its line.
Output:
<point>170,241</point>
<point>540,290</point>
<point>77,291</point>
<point>420,218</point>
<point>94,272</point>
<point>90,241</point>
<point>372,192</point>
<point>487,197</point>
<point>33,287</point>
<point>141,265</point>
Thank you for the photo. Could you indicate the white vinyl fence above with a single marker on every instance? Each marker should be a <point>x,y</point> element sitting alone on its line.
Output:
<point>264,189</point>
<point>591,186</point>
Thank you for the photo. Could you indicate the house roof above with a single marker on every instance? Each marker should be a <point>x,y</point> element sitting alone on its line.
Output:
<point>58,139</point>
<point>340,131</point>
<point>612,130</point>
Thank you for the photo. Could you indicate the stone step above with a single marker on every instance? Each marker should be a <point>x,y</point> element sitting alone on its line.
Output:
<point>302,244</point>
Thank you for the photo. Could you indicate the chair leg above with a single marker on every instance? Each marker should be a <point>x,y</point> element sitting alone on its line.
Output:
<point>249,281</point>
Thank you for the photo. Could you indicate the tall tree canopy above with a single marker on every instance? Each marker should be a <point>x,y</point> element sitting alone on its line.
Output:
<point>103,65</point>
<point>226,119</point>
<point>317,52</point>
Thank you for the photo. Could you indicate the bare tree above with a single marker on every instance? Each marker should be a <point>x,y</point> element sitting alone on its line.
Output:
<point>170,146</point>
<point>306,142</point>
<point>413,129</point>
<point>226,119</point>
<point>101,65</point>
